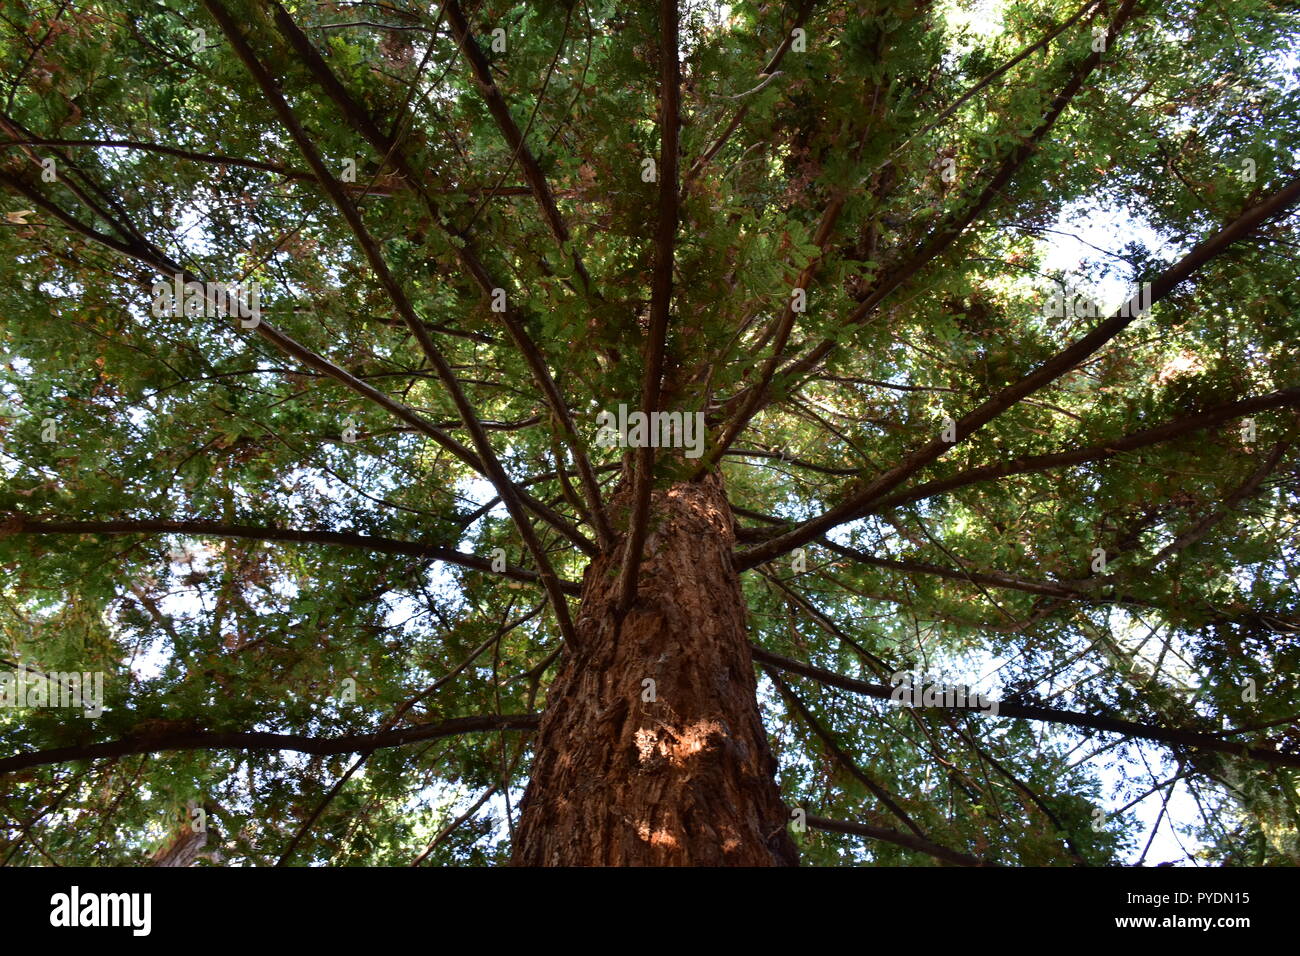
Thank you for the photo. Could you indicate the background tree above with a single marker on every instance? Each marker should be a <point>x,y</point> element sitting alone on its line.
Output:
<point>358,571</point>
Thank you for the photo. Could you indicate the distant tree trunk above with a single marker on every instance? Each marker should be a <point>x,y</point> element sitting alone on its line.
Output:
<point>671,773</point>
<point>186,844</point>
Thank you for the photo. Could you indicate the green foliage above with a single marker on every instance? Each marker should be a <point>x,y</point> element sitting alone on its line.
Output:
<point>190,418</point>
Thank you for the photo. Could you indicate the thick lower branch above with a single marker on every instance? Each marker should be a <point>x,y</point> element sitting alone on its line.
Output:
<point>19,524</point>
<point>257,740</point>
<point>1115,725</point>
<point>894,836</point>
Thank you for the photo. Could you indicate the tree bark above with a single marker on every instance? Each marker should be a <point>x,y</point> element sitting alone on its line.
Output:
<point>651,750</point>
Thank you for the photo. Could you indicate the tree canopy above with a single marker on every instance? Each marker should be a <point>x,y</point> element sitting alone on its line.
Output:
<point>326,555</point>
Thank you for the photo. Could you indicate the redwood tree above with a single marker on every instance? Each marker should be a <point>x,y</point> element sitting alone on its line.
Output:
<point>316,319</point>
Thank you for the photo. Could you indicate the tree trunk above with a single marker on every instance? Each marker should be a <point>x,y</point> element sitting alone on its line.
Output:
<point>651,750</point>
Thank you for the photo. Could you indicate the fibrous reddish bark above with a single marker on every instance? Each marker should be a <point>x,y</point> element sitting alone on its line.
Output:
<point>651,750</point>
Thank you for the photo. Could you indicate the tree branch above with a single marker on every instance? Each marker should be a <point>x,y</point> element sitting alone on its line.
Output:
<point>13,523</point>
<point>879,792</point>
<point>1049,371</point>
<point>261,741</point>
<point>1244,491</point>
<point>466,252</point>
<point>756,394</point>
<point>495,473</point>
<point>500,111</point>
<point>893,836</point>
<point>950,230</point>
<point>152,256</point>
<point>1115,725</point>
<point>768,72</point>
<point>1217,415</point>
<point>661,292</point>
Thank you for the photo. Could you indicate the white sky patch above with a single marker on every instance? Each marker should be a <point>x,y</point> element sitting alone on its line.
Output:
<point>983,18</point>
<point>1085,232</point>
<point>480,491</point>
